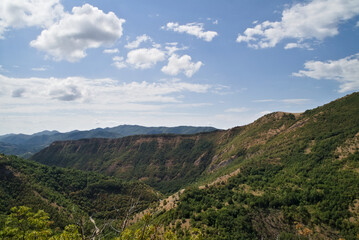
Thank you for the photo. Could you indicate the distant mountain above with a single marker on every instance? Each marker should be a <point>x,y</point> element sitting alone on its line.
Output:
<point>284,176</point>
<point>26,145</point>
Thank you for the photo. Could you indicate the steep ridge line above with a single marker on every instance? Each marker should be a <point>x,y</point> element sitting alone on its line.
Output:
<point>171,201</point>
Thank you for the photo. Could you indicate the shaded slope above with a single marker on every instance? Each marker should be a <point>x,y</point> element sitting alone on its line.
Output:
<point>166,162</point>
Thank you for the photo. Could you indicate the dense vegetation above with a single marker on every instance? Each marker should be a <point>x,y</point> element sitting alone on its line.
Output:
<point>165,162</point>
<point>23,223</point>
<point>285,176</point>
<point>303,182</point>
<point>68,195</point>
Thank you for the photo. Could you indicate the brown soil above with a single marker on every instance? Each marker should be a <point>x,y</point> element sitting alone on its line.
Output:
<point>349,147</point>
<point>309,148</point>
<point>221,179</point>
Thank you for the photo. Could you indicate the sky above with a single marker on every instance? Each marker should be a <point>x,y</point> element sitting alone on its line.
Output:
<point>67,64</point>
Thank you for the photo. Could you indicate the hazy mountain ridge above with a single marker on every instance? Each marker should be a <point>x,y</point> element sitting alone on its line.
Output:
<point>26,145</point>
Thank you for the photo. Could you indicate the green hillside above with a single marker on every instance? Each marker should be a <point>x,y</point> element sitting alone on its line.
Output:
<point>293,175</point>
<point>68,195</point>
<point>166,162</point>
<point>298,178</point>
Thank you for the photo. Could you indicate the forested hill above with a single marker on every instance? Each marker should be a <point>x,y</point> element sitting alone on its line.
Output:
<point>68,195</point>
<point>284,176</point>
<point>170,162</point>
<point>26,145</point>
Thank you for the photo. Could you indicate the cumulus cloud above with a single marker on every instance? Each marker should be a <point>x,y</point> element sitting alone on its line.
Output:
<point>111,51</point>
<point>345,71</point>
<point>87,27</point>
<point>68,89</point>
<point>28,13</point>
<point>195,29</point>
<point>183,64</point>
<point>144,58</point>
<point>138,41</point>
<point>315,20</point>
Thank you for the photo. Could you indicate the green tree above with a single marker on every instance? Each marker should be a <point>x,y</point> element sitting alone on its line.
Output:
<point>24,224</point>
<point>71,232</point>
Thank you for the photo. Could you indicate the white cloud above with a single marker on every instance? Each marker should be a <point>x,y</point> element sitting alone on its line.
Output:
<point>295,100</point>
<point>117,59</point>
<point>111,51</point>
<point>87,27</point>
<point>138,41</point>
<point>237,110</point>
<point>298,45</point>
<point>39,69</point>
<point>316,20</point>
<point>195,29</point>
<point>357,25</point>
<point>215,22</point>
<point>143,58</point>
<point>172,48</point>
<point>92,92</point>
<point>264,113</point>
<point>220,89</point>
<point>35,104</point>
<point>345,71</point>
<point>264,100</point>
<point>287,101</point>
<point>28,13</point>
<point>119,62</point>
<point>183,64</point>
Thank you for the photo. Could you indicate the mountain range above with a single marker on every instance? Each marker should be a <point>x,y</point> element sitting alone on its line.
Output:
<point>26,145</point>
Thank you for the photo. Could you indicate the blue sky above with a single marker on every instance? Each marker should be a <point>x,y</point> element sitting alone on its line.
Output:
<point>68,64</point>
